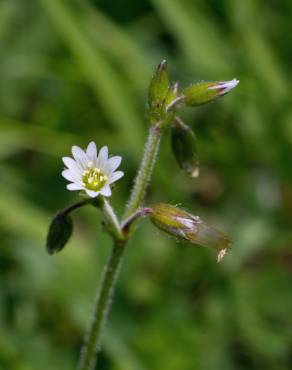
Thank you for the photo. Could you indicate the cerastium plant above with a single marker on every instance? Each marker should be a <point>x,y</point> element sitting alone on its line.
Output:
<point>92,174</point>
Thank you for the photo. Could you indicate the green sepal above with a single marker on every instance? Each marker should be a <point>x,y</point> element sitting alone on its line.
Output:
<point>200,93</point>
<point>204,92</point>
<point>158,91</point>
<point>172,94</point>
<point>158,86</point>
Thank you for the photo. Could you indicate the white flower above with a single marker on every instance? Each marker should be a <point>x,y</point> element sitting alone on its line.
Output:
<point>91,172</point>
<point>225,86</point>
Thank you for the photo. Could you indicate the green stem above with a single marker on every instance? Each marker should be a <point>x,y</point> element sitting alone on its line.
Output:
<point>111,221</point>
<point>91,346</point>
<point>145,171</point>
<point>134,217</point>
<point>74,206</point>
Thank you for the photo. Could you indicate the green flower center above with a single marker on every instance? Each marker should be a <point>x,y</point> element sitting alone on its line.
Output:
<point>93,178</point>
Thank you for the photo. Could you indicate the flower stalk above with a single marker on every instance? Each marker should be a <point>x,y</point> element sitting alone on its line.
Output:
<point>134,217</point>
<point>111,222</point>
<point>61,228</point>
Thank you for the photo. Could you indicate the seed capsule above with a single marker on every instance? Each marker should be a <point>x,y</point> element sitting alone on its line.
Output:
<point>186,226</point>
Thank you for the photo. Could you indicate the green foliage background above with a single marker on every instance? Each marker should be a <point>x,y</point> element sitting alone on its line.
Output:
<point>75,71</point>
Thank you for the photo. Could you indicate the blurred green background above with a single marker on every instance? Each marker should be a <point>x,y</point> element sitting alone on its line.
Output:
<point>76,71</point>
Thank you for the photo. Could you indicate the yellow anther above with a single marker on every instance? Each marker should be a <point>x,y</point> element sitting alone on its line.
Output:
<point>93,178</point>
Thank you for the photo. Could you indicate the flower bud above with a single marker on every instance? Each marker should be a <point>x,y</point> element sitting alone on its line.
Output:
<point>159,86</point>
<point>59,233</point>
<point>205,92</point>
<point>184,147</point>
<point>184,225</point>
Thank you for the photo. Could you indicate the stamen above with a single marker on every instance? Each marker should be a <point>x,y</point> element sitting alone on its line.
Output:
<point>93,178</point>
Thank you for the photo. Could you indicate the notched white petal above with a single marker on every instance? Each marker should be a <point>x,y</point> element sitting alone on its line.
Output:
<point>102,156</point>
<point>91,151</point>
<point>79,156</point>
<point>74,186</point>
<point>113,163</point>
<point>70,176</point>
<point>106,191</point>
<point>91,193</point>
<point>115,176</point>
<point>70,163</point>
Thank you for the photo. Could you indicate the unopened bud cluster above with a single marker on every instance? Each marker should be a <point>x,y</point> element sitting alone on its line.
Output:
<point>92,172</point>
<point>164,96</point>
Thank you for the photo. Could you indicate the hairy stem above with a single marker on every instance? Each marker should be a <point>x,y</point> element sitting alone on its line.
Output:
<point>135,216</point>
<point>74,206</point>
<point>145,171</point>
<point>91,346</point>
<point>88,357</point>
<point>111,221</point>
